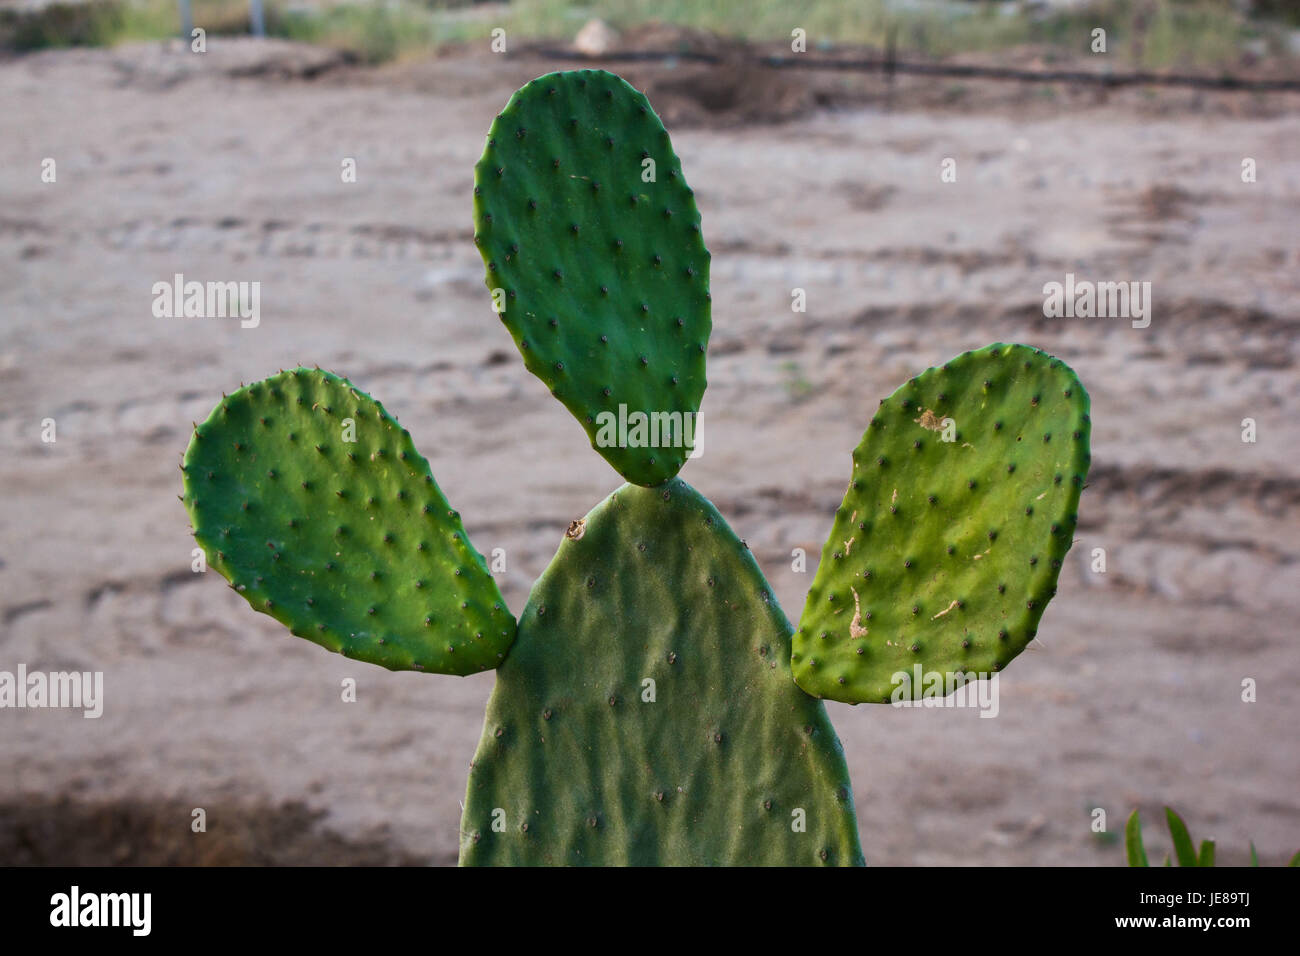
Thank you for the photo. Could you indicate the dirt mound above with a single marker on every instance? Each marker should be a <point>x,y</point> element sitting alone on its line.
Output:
<point>698,78</point>
<point>38,831</point>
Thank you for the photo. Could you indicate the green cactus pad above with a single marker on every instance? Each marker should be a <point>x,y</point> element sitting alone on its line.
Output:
<point>945,553</point>
<point>350,544</point>
<point>576,766</point>
<point>604,277</point>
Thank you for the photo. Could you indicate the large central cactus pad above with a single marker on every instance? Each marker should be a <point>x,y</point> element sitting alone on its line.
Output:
<point>646,713</point>
<point>962,504</point>
<point>592,243</point>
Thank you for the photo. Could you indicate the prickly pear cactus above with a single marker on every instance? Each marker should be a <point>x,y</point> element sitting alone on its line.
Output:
<point>646,714</point>
<point>962,504</point>
<point>652,705</point>
<point>592,238</point>
<point>311,500</point>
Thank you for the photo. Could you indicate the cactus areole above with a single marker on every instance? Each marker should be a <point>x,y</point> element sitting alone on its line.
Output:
<point>653,704</point>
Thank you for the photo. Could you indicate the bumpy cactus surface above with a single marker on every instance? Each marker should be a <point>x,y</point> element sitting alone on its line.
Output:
<point>349,543</point>
<point>653,704</point>
<point>603,275</point>
<point>646,713</point>
<point>947,547</point>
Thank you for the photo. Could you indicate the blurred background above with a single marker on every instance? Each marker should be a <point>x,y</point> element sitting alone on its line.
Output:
<point>1170,158</point>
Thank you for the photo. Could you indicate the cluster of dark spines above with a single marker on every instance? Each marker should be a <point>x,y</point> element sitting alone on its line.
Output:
<point>953,549</point>
<point>606,277</point>
<point>351,545</point>
<point>657,586</point>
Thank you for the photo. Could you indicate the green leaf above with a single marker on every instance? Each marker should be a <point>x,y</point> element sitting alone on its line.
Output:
<point>1295,860</point>
<point>1207,853</point>
<point>1254,857</point>
<point>1183,847</point>
<point>1137,853</point>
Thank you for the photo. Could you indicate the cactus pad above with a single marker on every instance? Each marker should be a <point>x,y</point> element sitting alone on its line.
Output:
<point>647,714</point>
<point>603,276</point>
<point>349,543</point>
<point>944,553</point>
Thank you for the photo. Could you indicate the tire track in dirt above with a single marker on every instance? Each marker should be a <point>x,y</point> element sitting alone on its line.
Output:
<point>245,239</point>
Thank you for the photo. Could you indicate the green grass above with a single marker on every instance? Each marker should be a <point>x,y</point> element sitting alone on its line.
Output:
<point>1185,851</point>
<point>62,26</point>
<point>797,385</point>
<point>1161,34</point>
<point>374,34</point>
<point>1157,35</point>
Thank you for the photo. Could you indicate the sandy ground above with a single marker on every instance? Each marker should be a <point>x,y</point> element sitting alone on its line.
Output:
<point>224,167</point>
